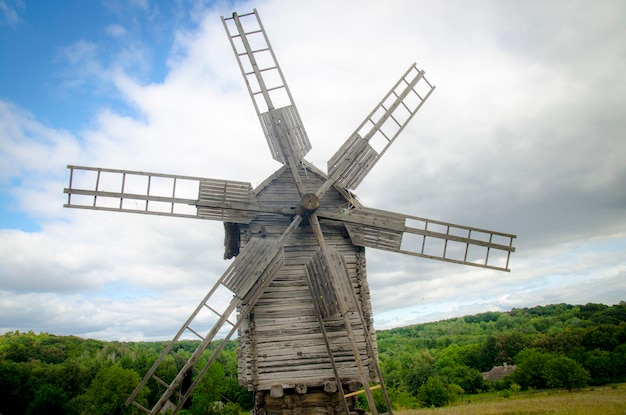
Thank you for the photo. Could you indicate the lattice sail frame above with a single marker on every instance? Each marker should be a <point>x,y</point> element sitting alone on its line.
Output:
<point>262,258</point>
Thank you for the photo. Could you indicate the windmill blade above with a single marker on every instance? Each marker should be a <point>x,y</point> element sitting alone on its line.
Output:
<point>351,163</point>
<point>325,305</point>
<point>266,84</point>
<point>331,289</point>
<point>328,264</point>
<point>246,278</point>
<point>426,238</point>
<point>160,194</point>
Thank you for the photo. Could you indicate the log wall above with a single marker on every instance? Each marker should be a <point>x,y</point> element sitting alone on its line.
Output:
<point>280,342</point>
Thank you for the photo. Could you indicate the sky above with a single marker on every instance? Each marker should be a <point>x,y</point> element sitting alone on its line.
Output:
<point>524,134</point>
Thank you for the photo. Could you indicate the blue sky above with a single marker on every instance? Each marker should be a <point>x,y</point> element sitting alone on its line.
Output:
<point>524,134</point>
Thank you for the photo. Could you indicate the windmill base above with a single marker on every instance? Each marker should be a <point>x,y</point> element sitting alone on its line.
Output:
<point>311,402</point>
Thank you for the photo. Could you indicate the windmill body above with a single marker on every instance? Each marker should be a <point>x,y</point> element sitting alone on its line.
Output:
<point>281,344</point>
<point>297,291</point>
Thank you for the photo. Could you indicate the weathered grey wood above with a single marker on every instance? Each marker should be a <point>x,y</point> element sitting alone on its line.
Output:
<point>277,113</point>
<point>323,291</point>
<point>351,163</point>
<point>214,199</point>
<point>299,281</point>
<point>262,277</point>
<point>288,343</point>
<point>251,263</point>
<point>387,231</point>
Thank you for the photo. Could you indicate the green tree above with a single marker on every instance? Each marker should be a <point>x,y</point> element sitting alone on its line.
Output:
<point>510,344</point>
<point>469,379</point>
<point>208,391</point>
<point>487,355</point>
<point>49,400</point>
<point>600,366</point>
<point>603,337</point>
<point>563,372</point>
<point>15,387</point>
<point>422,369</point>
<point>530,366</point>
<point>109,390</point>
<point>618,357</point>
<point>434,393</point>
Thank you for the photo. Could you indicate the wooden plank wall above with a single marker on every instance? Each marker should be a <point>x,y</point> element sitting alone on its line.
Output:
<point>281,343</point>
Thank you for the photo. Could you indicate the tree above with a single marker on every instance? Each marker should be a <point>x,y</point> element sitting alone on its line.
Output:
<point>15,388</point>
<point>563,372</point>
<point>422,369</point>
<point>530,366</point>
<point>509,344</point>
<point>600,366</point>
<point>487,355</point>
<point>469,379</point>
<point>49,400</point>
<point>434,393</point>
<point>208,392</point>
<point>108,392</point>
<point>603,337</point>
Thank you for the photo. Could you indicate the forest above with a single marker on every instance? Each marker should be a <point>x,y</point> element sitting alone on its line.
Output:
<point>558,346</point>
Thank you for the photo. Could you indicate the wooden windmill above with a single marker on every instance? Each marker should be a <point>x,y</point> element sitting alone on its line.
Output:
<point>299,298</point>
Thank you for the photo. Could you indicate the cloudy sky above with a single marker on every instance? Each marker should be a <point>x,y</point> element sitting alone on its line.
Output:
<point>525,134</point>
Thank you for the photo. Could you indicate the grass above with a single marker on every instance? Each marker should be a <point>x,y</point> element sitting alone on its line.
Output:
<point>608,400</point>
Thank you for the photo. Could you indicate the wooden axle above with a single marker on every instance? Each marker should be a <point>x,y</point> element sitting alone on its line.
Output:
<point>308,204</point>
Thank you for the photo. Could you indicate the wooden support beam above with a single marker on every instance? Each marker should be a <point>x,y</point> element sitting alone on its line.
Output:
<point>351,394</point>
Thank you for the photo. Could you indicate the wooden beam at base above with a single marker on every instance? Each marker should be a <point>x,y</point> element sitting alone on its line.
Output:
<point>351,394</point>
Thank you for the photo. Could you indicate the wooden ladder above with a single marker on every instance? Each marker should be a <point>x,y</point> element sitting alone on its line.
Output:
<point>266,85</point>
<point>351,163</point>
<point>263,255</point>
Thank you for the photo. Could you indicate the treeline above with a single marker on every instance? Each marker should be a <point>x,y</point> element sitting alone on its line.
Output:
<point>48,374</point>
<point>555,346</point>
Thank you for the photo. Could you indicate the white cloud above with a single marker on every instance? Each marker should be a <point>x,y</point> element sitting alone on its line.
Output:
<point>9,12</point>
<point>517,137</point>
<point>115,30</point>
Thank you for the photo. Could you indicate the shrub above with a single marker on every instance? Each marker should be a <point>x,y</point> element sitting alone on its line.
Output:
<point>433,393</point>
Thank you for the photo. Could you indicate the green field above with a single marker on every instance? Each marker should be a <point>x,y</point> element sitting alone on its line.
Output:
<point>590,401</point>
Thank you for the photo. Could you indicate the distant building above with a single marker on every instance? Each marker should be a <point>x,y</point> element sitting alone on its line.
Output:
<point>498,372</point>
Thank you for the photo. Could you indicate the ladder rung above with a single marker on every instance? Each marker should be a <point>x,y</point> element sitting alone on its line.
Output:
<point>160,381</point>
<point>253,52</point>
<point>217,313</point>
<point>407,108</point>
<point>182,359</point>
<point>270,68</point>
<point>253,32</point>
<point>275,88</point>
<point>384,135</point>
<point>260,50</point>
<point>417,93</point>
<point>195,332</point>
<point>141,407</point>
<point>239,15</point>
<point>268,89</point>
<point>396,121</point>
<point>164,384</point>
<point>262,70</point>
<point>177,356</point>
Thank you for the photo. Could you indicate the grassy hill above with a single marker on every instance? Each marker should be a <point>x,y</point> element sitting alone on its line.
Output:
<point>557,346</point>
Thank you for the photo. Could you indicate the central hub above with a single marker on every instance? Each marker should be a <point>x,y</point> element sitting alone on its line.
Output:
<point>308,204</point>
